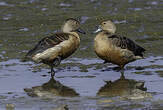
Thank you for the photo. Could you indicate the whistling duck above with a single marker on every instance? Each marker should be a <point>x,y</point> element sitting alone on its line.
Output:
<point>54,48</point>
<point>115,48</point>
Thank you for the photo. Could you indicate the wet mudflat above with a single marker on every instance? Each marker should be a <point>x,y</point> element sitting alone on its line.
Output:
<point>82,81</point>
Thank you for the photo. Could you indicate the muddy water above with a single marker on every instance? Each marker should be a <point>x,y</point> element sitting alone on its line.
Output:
<point>80,79</point>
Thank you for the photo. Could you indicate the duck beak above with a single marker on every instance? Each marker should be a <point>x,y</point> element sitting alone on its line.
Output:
<point>81,31</point>
<point>98,30</point>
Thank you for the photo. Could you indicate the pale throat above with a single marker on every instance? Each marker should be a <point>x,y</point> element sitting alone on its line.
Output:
<point>111,30</point>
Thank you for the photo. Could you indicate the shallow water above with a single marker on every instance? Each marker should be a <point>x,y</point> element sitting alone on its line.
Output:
<point>25,22</point>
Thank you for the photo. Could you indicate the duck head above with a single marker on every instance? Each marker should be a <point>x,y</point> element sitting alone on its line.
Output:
<point>108,26</point>
<point>72,25</point>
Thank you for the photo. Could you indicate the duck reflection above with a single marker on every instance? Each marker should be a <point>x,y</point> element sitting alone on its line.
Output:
<point>130,88</point>
<point>50,89</point>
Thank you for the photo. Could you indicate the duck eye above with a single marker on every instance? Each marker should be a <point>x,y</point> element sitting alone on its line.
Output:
<point>104,23</point>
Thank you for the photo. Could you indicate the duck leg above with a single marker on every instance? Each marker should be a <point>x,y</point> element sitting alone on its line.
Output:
<point>56,62</point>
<point>122,74</point>
<point>52,72</point>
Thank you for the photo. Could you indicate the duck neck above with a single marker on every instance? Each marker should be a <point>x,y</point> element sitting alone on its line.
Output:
<point>108,32</point>
<point>111,29</point>
<point>75,34</point>
<point>67,29</point>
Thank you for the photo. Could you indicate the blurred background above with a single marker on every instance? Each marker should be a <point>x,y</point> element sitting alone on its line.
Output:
<point>24,22</point>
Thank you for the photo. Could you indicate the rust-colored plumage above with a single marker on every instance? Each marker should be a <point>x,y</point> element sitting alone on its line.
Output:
<point>114,48</point>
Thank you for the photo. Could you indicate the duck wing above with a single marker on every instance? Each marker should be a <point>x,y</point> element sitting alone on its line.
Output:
<point>126,43</point>
<point>48,42</point>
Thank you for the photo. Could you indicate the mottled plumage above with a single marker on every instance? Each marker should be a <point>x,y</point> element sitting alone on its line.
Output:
<point>126,43</point>
<point>52,49</point>
<point>115,48</point>
<point>48,42</point>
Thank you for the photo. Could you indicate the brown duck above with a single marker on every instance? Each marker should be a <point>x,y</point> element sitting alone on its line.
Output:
<point>114,48</point>
<point>52,49</point>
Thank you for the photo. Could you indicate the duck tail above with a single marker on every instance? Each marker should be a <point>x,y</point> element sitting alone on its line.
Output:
<point>27,57</point>
<point>139,52</point>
